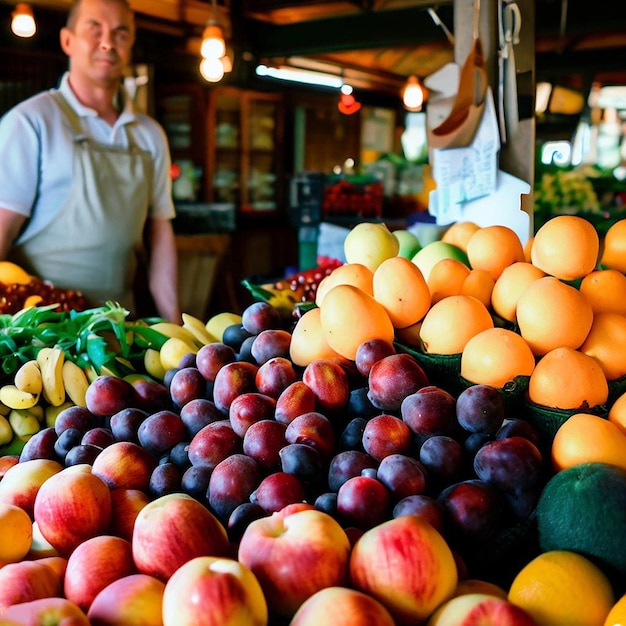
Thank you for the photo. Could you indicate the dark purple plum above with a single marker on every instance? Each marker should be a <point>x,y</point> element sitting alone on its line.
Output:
<point>241,517</point>
<point>40,446</point>
<point>198,413</point>
<point>260,316</point>
<point>195,482</point>
<point>187,384</point>
<point>107,395</point>
<point>165,479</point>
<point>270,343</point>
<point>510,463</point>
<point>423,506</point>
<point>82,453</point>
<point>275,375</point>
<point>212,356</point>
<point>78,417</point>
<point>232,482</point>
<point>370,352</point>
<point>263,441</point>
<point>351,437</point>
<point>234,335</point>
<point>384,435</point>
<point>327,503</point>
<point>69,438</point>
<point>429,411</point>
<point>480,409</point>
<point>161,431</point>
<point>392,379</point>
<point>249,408</point>
<point>518,427</point>
<point>278,490</point>
<point>313,429</point>
<point>99,436</point>
<point>402,475</point>
<point>304,461</point>
<point>213,444</point>
<point>348,464</point>
<point>444,459</point>
<point>125,424</point>
<point>363,502</point>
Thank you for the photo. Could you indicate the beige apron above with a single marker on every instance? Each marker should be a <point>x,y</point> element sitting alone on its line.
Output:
<point>90,245</point>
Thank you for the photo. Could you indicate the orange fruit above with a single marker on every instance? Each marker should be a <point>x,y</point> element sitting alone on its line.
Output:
<point>11,273</point>
<point>452,322</point>
<point>355,274</point>
<point>561,587</point>
<point>587,438</point>
<point>446,278</point>
<point>606,342</point>
<point>479,283</point>
<point>17,533</point>
<point>308,342</point>
<point>617,412</point>
<point>459,233</point>
<point>510,286</point>
<point>605,290</point>
<point>493,248</point>
<point>566,246</point>
<point>617,614</point>
<point>551,314</point>
<point>496,356</point>
<point>565,378</point>
<point>349,316</point>
<point>614,247</point>
<point>399,285</point>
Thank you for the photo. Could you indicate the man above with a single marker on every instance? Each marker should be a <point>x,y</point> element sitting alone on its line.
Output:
<point>83,177</point>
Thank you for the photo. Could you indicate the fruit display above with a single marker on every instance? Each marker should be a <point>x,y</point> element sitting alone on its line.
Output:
<point>387,452</point>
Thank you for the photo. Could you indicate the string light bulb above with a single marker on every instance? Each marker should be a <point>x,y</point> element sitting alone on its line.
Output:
<point>23,21</point>
<point>213,44</point>
<point>413,94</point>
<point>212,70</point>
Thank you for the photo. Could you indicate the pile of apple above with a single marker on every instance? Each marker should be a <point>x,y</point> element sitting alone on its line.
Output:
<point>244,488</point>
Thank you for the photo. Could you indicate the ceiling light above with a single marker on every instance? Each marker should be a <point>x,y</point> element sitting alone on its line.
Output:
<point>23,22</point>
<point>213,45</point>
<point>413,94</point>
<point>212,70</point>
<point>300,76</point>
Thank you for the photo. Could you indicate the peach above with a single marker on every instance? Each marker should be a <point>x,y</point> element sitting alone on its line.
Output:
<point>329,382</point>
<point>341,606</point>
<point>211,591</point>
<point>26,581</point>
<point>278,549</point>
<point>406,565</point>
<point>126,504</point>
<point>133,600</point>
<point>480,608</point>
<point>125,464</point>
<point>17,533</point>
<point>93,565</point>
<point>45,611</point>
<point>22,481</point>
<point>173,529</point>
<point>71,507</point>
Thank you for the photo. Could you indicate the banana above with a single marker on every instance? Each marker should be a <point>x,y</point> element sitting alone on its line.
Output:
<point>28,378</point>
<point>169,329</point>
<point>173,350</point>
<point>152,363</point>
<point>42,356</point>
<point>219,322</point>
<point>52,374</point>
<point>6,432</point>
<point>15,398</point>
<point>75,382</point>
<point>198,329</point>
<point>24,423</point>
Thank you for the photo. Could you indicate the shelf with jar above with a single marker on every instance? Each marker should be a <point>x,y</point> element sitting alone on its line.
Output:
<point>244,150</point>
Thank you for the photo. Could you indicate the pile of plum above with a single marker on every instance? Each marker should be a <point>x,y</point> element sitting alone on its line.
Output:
<point>242,429</point>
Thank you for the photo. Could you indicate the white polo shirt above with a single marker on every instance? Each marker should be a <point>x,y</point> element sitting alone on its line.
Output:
<point>36,148</point>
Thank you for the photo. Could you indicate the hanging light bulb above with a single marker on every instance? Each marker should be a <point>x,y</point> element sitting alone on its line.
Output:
<point>213,45</point>
<point>413,94</point>
<point>23,22</point>
<point>212,70</point>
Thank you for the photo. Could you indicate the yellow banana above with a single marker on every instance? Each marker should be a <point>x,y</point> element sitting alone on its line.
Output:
<point>15,398</point>
<point>42,356</point>
<point>197,328</point>
<point>28,378</point>
<point>220,321</point>
<point>173,350</point>
<point>75,382</point>
<point>152,363</point>
<point>24,423</point>
<point>6,432</point>
<point>52,374</point>
<point>169,329</point>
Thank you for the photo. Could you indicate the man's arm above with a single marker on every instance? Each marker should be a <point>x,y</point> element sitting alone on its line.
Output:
<point>10,225</point>
<point>163,269</point>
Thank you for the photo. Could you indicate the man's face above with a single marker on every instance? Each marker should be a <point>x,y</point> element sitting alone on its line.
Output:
<point>99,44</point>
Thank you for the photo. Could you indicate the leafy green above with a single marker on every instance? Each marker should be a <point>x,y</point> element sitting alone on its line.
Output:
<point>97,338</point>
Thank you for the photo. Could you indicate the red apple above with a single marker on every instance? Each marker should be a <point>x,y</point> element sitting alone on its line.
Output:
<point>405,564</point>
<point>329,382</point>
<point>26,581</point>
<point>93,565</point>
<point>21,482</point>
<point>173,529</point>
<point>125,465</point>
<point>71,507</point>
<point>342,606</point>
<point>480,608</point>
<point>294,555</point>
<point>211,591</point>
<point>49,611</point>
<point>126,504</point>
<point>134,600</point>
